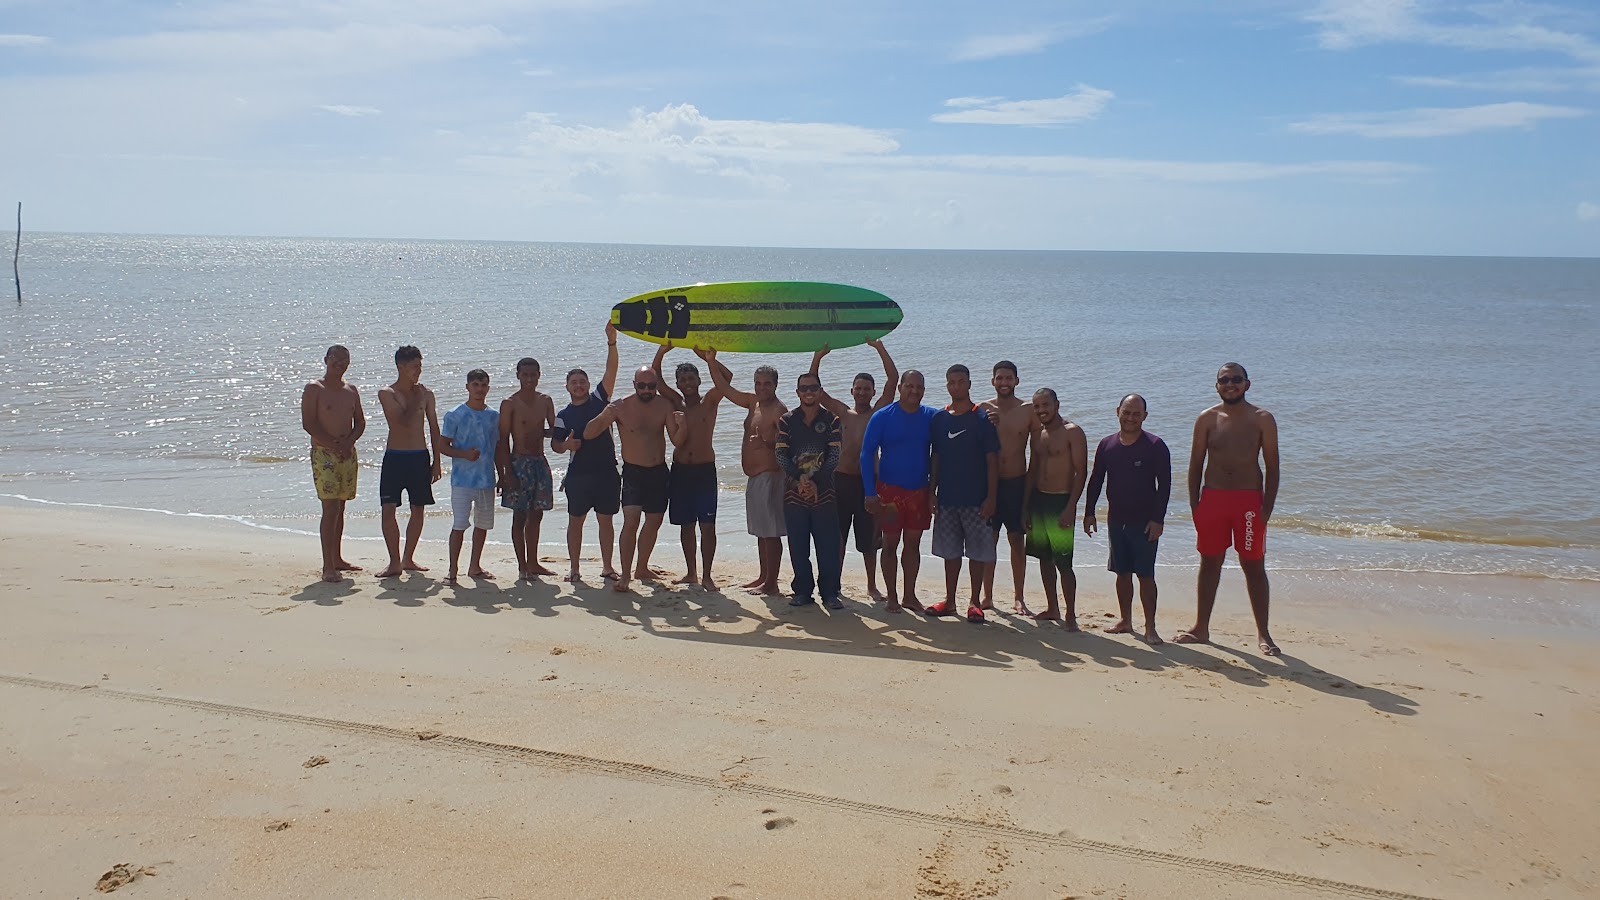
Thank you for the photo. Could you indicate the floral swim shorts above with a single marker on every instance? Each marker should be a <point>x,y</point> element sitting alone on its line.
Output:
<point>335,478</point>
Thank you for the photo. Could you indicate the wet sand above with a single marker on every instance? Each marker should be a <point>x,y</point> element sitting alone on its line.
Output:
<point>166,682</point>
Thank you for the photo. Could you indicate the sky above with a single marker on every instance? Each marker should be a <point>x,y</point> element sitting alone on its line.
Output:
<point>1319,126</point>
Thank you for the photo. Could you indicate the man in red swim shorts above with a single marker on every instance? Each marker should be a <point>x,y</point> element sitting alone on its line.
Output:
<point>1233,500</point>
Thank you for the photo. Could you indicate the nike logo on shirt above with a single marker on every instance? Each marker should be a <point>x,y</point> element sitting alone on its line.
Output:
<point>956,434</point>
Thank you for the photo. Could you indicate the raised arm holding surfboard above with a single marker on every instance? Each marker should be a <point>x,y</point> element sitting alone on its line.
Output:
<point>758,316</point>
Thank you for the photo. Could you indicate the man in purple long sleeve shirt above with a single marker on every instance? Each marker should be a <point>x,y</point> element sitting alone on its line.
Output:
<point>1136,469</point>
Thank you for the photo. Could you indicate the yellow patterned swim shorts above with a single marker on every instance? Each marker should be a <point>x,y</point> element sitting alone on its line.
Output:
<point>335,477</point>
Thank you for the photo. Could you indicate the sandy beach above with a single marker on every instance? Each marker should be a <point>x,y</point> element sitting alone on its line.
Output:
<point>169,686</point>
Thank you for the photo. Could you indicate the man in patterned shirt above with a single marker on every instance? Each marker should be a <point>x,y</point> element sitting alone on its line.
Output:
<point>808,452</point>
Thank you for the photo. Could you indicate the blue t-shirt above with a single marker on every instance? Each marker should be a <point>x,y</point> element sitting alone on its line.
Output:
<point>598,454</point>
<point>472,429</point>
<point>963,444</point>
<point>903,439</point>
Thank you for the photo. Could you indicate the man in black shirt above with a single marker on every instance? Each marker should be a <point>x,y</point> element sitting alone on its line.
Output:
<point>808,453</point>
<point>592,482</point>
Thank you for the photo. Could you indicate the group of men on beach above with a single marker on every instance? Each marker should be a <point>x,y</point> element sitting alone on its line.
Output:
<point>883,466</point>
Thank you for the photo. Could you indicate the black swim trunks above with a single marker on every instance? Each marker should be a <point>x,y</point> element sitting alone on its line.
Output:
<point>409,472</point>
<point>852,501</point>
<point>596,489</point>
<point>1008,505</point>
<point>646,487</point>
<point>693,493</point>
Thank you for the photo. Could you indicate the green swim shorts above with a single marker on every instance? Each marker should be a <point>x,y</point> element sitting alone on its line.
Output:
<point>1048,540</point>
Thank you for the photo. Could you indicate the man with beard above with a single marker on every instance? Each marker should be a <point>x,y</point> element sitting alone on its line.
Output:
<point>1136,470</point>
<point>851,497</point>
<point>894,452</point>
<point>1056,471</point>
<point>641,424</point>
<point>591,481</point>
<point>808,451</point>
<point>758,454</point>
<point>1016,424</point>
<point>693,494</point>
<point>965,476</point>
<point>1233,500</point>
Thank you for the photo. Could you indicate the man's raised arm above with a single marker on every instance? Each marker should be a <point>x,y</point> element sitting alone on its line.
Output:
<point>891,375</point>
<point>722,377</point>
<point>829,402</point>
<point>662,387</point>
<point>608,381</point>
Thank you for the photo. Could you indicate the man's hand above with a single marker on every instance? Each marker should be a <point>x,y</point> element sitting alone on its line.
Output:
<point>1266,514</point>
<point>808,489</point>
<point>611,332</point>
<point>509,482</point>
<point>1153,531</point>
<point>874,506</point>
<point>708,355</point>
<point>986,510</point>
<point>438,469</point>
<point>1090,526</point>
<point>875,344</point>
<point>1065,520</point>
<point>471,455</point>
<point>1027,520</point>
<point>816,358</point>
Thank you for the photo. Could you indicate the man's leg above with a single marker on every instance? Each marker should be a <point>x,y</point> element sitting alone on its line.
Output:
<point>647,544</point>
<point>988,583</point>
<point>480,536</point>
<point>708,553</point>
<point>1124,604</point>
<point>830,568</point>
<point>607,527</point>
<point>530,539</point>
<point>889,557</point>
<point>978,575</point>
<point>630,540</point>
<point>1205,599</point>
<point>391,540</point>
<point>1052,605</point>
<point>952,581</point>
<point>1147,599</point>
<point>686,538</point>
<point>911,564</point>
<point>1019,570</point>
<point>1255,582</point>
<point>797,522</point>
<point>414,525</point>
<point>455,554</point>
<point>338,542</point>
<point>519,541</point>
<point>574,544</point>
<point>332,525</point>
<point>1069,593</point>
<point>772,563</point>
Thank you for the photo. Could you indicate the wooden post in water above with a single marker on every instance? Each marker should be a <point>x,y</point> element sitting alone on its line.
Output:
<point>16,255</point>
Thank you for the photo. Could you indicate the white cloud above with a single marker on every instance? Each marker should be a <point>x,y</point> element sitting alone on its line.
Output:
<point>1435,122</point>
<point>1082,104</point>
<point>1346,24</point>
<point>1547,80</point>
<point>1023,43</point>
<point>350,47</point>
<point>1588,212</point>
<point>351,111</point>
<point>22,40</point>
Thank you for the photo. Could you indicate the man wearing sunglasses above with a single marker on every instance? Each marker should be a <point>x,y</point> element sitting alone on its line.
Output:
<point>641,421</point>
<point>809,439</point>
<point>1231,498</point>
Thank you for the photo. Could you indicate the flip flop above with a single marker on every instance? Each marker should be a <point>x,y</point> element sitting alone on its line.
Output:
<point>975,615</point>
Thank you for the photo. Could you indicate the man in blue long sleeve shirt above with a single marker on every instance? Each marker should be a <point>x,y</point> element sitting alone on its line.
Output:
<point>894,474</point>
<point>1136,469</point>
<point>808,453</point>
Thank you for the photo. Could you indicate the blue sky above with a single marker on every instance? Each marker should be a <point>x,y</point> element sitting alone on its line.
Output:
<point>1341,126</point>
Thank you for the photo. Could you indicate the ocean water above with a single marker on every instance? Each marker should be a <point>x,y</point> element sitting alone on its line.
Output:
<point>1436,414</point>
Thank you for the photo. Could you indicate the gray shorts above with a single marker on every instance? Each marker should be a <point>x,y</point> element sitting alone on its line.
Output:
<point>763,505</point>
<point>958,531</point>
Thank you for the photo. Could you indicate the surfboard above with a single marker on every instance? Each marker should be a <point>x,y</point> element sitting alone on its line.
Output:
<point>758,316</point>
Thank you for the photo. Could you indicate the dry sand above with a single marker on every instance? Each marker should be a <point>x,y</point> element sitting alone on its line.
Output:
<point>165,684</point>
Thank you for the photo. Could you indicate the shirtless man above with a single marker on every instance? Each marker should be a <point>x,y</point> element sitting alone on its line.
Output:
<point>1017,425</point>
<point>408,467</point>
<point>526,487</point>
<point>847,486</point>
<point>1233,501</point>
<point>758,454</point>
<point>693,501</point>
<point>641,421</point>
<point>330,411</point>
<point>591,481</point>
<point>1057,467</point>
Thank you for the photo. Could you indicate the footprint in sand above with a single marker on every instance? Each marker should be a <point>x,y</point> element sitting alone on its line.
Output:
<point>779,822</point>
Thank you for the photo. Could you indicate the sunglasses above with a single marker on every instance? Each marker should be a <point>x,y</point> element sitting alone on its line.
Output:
<point>808,388</point>
<point>645,385</point>
<point>1230,379</point>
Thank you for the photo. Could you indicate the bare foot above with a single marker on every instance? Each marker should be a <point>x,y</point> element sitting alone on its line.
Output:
<point>912,603</point>
<point>1071,624</point>
<point>708,584</point>
<point>411,565</point>
<point>1047,616</point>
<point>536,570</point>
<point>348,566</point>
<point>1193,636</point>
<point>621,586</point>
<point>484,574</point>
<point>1122,627</point>
<point>987,604</point>
<point>573,577</point>
<point>1021,609</point>
<point>893,605</point>
<point>389,571</point>
<point>451,580</point>
<point>690,578</point>
<point>753,584</point>
<point>875,594</point>
<point>647,575</point>
<point>332,576</point>
<point>1151,637</point>
<point>1268,647</point>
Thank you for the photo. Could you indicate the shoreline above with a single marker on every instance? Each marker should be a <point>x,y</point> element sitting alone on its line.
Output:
<point>753,747</point>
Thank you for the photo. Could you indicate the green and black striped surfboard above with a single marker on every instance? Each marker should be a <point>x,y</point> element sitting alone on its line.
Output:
<point>758,316</point>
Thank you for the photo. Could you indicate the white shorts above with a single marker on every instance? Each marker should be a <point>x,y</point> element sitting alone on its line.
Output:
<point>472,506</point>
